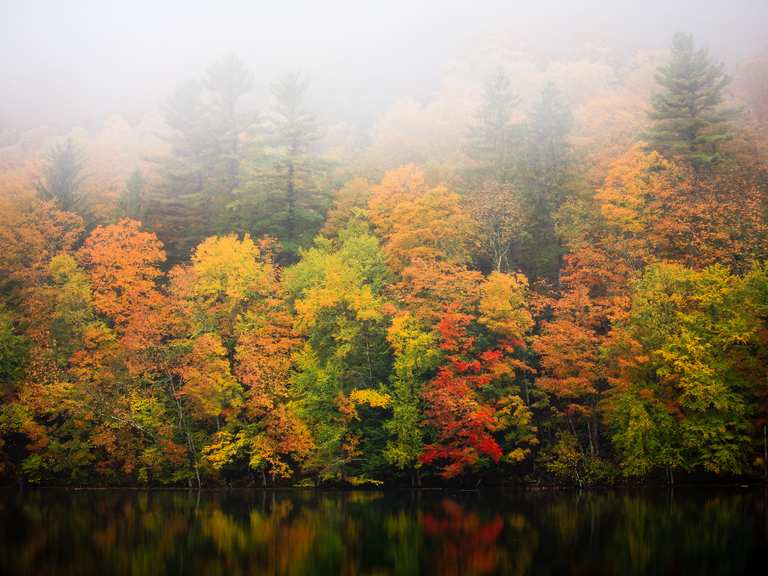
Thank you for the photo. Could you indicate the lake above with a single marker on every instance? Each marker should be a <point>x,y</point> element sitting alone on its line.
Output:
<point>689,531</point>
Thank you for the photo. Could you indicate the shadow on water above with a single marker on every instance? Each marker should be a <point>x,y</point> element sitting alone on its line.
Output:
<point>129,532</point>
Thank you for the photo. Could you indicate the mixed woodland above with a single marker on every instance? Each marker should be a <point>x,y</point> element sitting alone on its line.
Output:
<point>547,272</point>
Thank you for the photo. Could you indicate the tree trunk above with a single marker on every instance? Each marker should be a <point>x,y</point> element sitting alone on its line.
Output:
<point>197,473</point>
<point>183,424</point>
<point>575,435</point>
<point>596,429</point>
<point>589,435</point>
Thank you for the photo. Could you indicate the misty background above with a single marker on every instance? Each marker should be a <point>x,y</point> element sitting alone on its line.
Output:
<point>525,230</point>
<point>75,63</point>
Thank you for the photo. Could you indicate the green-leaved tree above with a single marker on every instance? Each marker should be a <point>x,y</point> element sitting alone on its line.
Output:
<point>688,118</point>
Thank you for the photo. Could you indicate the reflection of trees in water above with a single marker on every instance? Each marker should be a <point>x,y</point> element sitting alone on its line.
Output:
<point>467,544</point>
<point>405,541</point>
<point>704,534</point>
<point>648,532</point>
<point>44,532</point>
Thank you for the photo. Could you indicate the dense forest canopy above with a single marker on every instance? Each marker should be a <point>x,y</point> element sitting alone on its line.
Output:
<point>556,272</point>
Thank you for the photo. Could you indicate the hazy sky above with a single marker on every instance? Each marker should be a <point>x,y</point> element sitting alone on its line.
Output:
<point>69,60</point>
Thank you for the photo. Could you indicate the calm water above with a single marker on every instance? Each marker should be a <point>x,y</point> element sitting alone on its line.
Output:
<point>463,533</point>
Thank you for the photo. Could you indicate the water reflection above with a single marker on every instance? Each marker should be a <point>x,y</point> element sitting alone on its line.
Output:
<point>125,532</point>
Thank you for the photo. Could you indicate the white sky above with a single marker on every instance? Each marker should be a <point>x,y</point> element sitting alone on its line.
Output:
<point>66,61</point>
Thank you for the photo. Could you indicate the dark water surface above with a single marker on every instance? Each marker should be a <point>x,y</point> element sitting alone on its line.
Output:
<point>690,531</point>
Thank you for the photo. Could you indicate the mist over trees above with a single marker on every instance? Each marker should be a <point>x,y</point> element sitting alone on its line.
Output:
<point>556,272</point>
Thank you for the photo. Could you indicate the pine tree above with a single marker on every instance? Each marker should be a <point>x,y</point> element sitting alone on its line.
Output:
<point>226,82</point>
<point>688,118</point>
<point>543,181</point>
<point>63,177</point>
<point>131,202</point>
<point>493,137</point>
<point>199,176</point>
<point>547,137</point>
<point>176,206</point>
<point>283,197</point>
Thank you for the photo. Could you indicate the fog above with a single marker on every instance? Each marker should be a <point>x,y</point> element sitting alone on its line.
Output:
<point>394,245</point>
<point>74,63</point>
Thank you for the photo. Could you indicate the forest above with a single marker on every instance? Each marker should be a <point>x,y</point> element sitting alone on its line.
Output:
<point>555,274</point>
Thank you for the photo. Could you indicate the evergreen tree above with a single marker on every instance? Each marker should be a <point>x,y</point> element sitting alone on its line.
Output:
<point>293,130</point>
<point>548,127</point>
<point>198,178</point>
<point>63,177</point>
<point>131,202</point>
<point>493,137</point>
<point>688,119</point>
<point>543,180</point>
<point>176,207</point>
<point>226,82</point>
<point>284,196</point>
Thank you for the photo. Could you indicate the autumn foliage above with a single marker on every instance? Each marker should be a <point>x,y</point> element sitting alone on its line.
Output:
<point>570,296</point>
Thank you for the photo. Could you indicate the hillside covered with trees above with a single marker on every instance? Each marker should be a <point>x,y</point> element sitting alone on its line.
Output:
<point>559,274</point>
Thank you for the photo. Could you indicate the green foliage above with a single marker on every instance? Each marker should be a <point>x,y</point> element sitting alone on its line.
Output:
<point>63,177</point>
<point>646,435</point>
<point>195,194</point>
<point>416,356</point>
<point>13,352</point>
<point>493,139</point>
<point>131,204</point>
<point>284,193</point>
<point>544,177</point>
<point>572,295</point>
<point>336,294</point>
<point>688,118</point>
<point>685,401</point>
<point>567,462</point>
<point>73,308</point>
